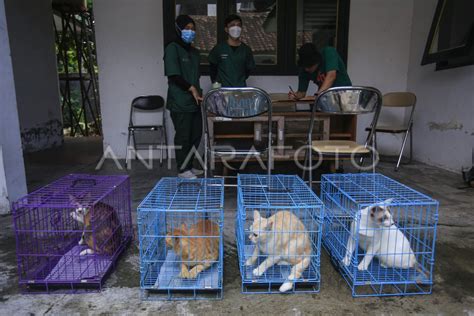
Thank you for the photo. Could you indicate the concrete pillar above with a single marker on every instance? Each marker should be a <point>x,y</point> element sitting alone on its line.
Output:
<point>30,25</point>
<point>12,170</point>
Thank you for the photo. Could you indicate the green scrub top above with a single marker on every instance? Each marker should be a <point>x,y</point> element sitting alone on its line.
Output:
<point>179,61</point>
<point>330,61</point>
<point>232,65</point>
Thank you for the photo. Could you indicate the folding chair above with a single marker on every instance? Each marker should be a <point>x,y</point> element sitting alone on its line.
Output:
<point>148,104</point>
<point>234,104</point>
<point>399,100</point>
<point>344,101</point>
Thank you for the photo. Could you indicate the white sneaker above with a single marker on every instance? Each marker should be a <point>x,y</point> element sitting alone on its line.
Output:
<point>187,175</point>
<point>197,172</point>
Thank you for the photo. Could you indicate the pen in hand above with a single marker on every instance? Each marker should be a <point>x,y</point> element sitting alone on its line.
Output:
<point>291,94</point>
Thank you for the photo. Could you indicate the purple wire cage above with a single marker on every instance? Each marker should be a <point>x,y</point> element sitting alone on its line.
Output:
<point>70,233</point>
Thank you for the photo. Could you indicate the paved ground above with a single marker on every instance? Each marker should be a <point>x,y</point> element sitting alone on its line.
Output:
<point>454,270</point>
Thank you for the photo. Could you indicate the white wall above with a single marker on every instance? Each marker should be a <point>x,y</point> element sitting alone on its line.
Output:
<point>379,48</point>
<point>129,36</point>
<point>12,171</point>
<point>34,66</point>
<point>444,121</point>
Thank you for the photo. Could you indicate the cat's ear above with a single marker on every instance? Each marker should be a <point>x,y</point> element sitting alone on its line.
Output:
<point>256,215</point>
<point>387,202</point>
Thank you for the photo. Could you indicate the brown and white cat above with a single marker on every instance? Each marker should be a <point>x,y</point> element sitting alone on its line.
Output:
<point>102,230</point>
<point>284,239</point>
<point>197,253</point>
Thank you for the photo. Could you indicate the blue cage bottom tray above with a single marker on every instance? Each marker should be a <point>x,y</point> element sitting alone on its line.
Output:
<point>168,277</point>
<point>278,273</point>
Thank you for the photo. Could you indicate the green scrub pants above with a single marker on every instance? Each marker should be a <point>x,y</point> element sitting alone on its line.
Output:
<point>188,127</point>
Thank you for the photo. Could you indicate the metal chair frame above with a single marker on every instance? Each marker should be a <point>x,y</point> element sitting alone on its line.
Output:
<point>150,103</point>
<point>370,137</point>
<point>408,131</point>
<point>209,147</point>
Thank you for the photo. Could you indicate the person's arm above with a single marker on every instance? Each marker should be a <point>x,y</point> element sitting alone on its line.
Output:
<point>296,95</point>
<point>196,94</point>
<point>213,72</point>
<point>213,59</point>
<point>331,65</point>
<point>303,84</point>
<point>328,81</point>
<point>179,81</point>
<point>250,63</point>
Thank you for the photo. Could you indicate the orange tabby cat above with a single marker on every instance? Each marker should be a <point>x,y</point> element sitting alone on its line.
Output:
<point>197,253</point>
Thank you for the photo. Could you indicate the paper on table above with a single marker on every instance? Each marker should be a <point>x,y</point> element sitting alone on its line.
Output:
<point>308,98</point>
<point>280,97</point>
<point>283,97</point>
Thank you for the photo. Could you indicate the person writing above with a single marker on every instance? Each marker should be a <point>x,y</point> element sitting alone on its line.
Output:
<point>231,61</point>
<point>326,69</point>
<point>184,94</point>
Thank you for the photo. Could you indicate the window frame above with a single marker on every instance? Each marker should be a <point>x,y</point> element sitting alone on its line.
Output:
<point>447,59</point>
<point>286,34</point>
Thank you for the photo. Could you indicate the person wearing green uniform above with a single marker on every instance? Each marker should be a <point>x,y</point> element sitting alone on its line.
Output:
<point>231,61</point>
<point>326,69</point>
<point>184,94</point>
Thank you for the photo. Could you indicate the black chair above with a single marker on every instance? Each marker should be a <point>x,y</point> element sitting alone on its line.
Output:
<point>151,103</point>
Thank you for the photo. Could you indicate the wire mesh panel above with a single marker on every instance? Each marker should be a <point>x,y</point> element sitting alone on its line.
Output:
<point>379,233</point>
<point>70,233</point>
<point>180,226</point>
<point>278,227</point>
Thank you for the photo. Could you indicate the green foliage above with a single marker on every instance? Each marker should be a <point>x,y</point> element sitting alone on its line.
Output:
<point>71,54</point>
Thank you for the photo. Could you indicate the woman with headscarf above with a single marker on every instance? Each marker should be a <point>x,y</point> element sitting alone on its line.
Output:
<point>184,94</point>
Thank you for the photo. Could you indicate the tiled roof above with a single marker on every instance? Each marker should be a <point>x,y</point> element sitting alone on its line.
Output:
<point>253,33</point>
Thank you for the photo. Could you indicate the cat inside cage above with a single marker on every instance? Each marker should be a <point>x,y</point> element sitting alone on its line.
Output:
<point>70,232</point>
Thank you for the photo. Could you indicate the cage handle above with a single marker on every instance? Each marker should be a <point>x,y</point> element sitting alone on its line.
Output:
<point>284,190</point>
<point>182,184</point>
<point>75,182</point>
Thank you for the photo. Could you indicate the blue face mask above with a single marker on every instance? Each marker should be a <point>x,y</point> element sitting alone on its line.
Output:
<point>188,36</point>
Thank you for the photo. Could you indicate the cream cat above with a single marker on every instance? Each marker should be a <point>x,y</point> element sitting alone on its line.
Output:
<point>284,238</point>
<point>381,238</point>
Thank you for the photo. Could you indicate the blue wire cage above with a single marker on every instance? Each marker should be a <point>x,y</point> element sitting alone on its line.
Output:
<point>278,199</point>
<point>410,225</point>
<point>180,226</point>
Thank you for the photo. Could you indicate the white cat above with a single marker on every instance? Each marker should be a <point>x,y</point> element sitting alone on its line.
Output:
<point>284,239</point>
<point>380,237</point>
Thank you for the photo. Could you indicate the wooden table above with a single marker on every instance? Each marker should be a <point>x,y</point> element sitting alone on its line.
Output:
<point>291,127</point>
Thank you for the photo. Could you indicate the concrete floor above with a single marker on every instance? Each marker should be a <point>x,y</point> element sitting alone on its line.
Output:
<point>453,292</point>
